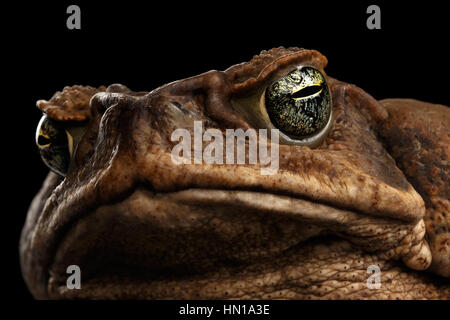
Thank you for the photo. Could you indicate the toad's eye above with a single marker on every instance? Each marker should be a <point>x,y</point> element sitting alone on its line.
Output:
<point>299,104</point>
<point>55,145</point>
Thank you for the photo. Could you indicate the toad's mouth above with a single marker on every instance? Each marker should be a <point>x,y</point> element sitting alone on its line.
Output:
<point>150,244</point>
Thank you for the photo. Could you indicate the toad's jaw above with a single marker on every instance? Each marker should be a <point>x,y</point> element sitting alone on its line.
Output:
<point>199,233</point>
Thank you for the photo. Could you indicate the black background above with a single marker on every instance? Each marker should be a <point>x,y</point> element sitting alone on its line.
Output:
<point>147,44</point>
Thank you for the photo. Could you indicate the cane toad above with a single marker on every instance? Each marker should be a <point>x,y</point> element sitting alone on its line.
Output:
<point>360,183</point>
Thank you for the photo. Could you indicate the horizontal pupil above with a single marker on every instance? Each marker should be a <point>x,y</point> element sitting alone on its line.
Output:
<point>42,141</point>
<point>305,92</point>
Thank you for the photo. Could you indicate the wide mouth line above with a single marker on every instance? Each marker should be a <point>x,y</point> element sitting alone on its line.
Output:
<point>251,190</point>
<point>235,197</point>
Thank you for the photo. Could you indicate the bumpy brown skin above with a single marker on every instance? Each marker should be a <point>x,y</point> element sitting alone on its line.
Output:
<point>426,127</point>
<point>140,226</point>
<point>72,104</point>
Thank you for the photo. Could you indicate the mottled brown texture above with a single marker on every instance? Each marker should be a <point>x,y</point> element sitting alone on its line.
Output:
<point>325,269</point>
<point>71,104</point>
<point>246,76</point>
<point>140,226</point>
<point>421,132</point>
